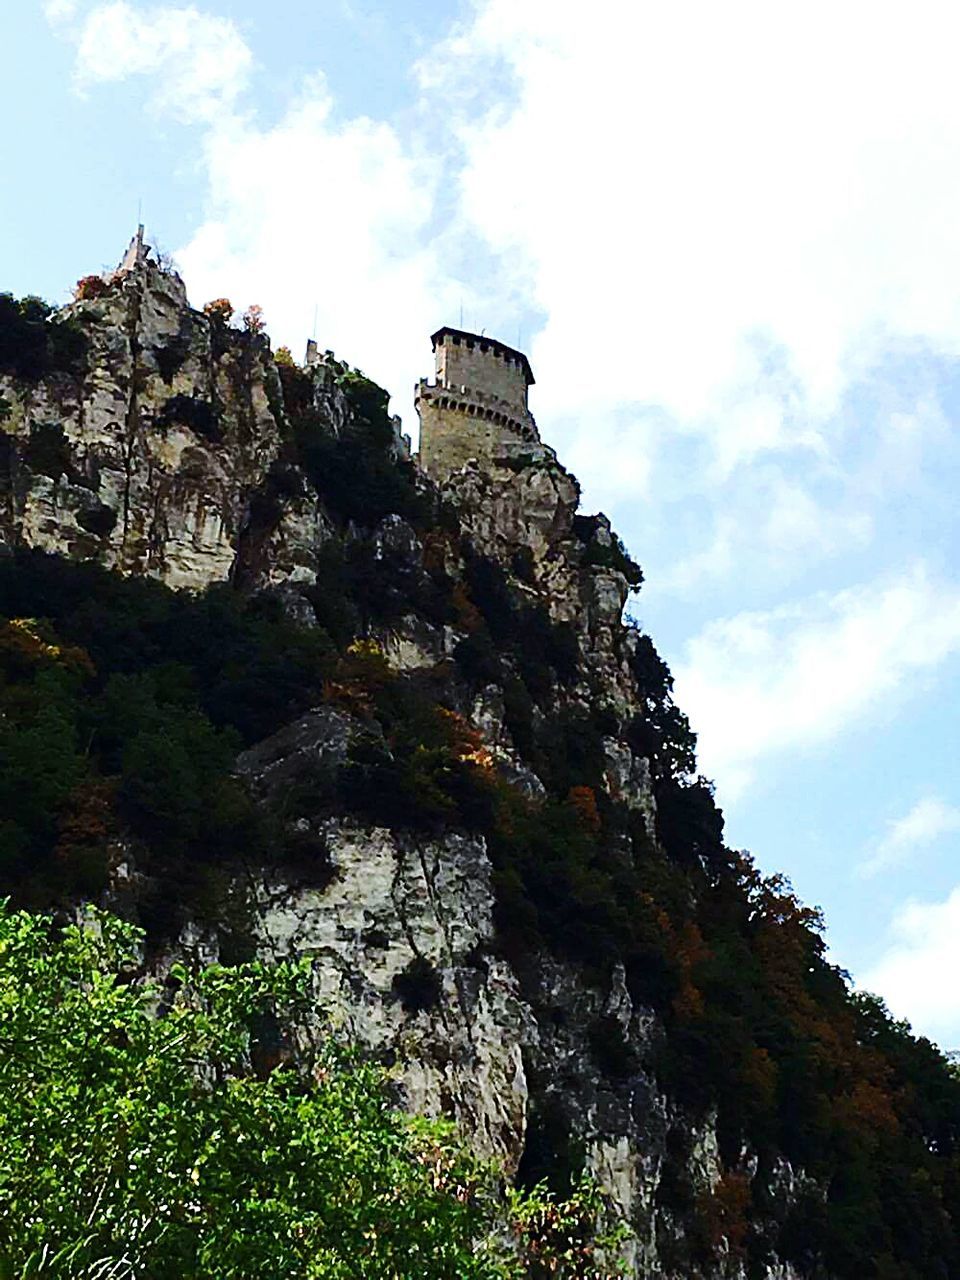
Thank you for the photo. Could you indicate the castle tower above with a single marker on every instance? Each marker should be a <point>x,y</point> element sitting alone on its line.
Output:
<point>478,404</point>
<point>136,254</point>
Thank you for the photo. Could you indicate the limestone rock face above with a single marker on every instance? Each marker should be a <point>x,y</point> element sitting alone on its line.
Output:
<point>403,942</point>
<point>144,460</point>
<point>516,502</point>
<point>401,931</point>
<point>402,934</point>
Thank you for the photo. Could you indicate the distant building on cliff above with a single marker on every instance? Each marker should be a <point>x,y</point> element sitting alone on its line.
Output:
<point>477,405</point>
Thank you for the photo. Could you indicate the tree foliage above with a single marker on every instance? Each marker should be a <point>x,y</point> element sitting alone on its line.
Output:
<point>355,472</point>
<point>220,310</point>
<point>89,288</point>
<point>143,697</point>
<point>35,341</point>
<point>169,1130</point>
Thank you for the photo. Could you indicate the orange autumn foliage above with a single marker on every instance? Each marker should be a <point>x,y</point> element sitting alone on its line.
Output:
<point>468,615</point>
<point>688,951</point>
<point>88,288</point>
<point>583,801</point>
<point>759,1075</point>
<point>85,827</point>
<point>220,309</point>
<point>466,743</point>
<point>724,1212</point>
<point>787,942</point>
<point>359,674</point>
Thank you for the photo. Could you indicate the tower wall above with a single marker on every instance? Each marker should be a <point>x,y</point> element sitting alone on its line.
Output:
<point>478,404</point>
<point>481,366</point>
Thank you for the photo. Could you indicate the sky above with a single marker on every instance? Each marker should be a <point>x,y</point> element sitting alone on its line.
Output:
<point>727,237</point>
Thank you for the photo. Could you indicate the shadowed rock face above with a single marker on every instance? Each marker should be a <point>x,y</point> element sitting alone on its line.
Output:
<point>159,459</point>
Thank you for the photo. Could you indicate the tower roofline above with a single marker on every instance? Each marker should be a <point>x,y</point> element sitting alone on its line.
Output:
<point>136,254</point>
<point>480,339</point>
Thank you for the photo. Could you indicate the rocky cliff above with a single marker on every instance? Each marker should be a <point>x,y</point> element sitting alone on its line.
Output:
<point>473,801</point>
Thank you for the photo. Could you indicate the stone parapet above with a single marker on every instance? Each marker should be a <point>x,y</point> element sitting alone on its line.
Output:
<point>477,404</point>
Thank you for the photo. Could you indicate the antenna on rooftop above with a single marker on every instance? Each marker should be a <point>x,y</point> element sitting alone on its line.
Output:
<point>316,309</point>
<point>461,313</point>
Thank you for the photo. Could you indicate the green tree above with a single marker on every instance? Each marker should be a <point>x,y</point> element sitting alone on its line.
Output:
<point>195,1129</point>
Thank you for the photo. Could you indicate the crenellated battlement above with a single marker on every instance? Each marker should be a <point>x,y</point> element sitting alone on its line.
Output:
<point>475,404</point>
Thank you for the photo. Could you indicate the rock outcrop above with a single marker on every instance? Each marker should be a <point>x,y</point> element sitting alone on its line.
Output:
<point>145,455</point>
<point>176,448</point>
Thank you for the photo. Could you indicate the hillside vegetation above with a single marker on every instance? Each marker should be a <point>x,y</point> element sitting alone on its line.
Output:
<point>124,705</point>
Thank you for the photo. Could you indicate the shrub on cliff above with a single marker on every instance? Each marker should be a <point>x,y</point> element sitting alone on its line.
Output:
<point>220,311</point>
<point>141,696</point>
<point>170,1130</point>
<point>501,624</point>
<point>35,342</point>
<point>355,473</point>
<point>89,288</point>
<point>610,555</point>
<point>254,320</point>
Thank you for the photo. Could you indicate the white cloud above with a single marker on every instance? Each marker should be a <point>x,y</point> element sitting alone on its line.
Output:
<point>761,528</point>
<point>928,820</point>
<point>713,560</point>
<point>615,460</point>
<point>901,442</point>
<point>796,522</point>
<point>201,63</point>
<point>715,248</point>
<point>58,11</point>
<point>316,214</point>
<point>702,229</point>
<point>762,683</point>
<point>309,217</point>
<point>724,210</point>
<point>917,974</point>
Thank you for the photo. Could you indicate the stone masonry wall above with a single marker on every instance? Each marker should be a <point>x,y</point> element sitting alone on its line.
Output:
<point>477,405</point>
<point>455,429</point>
<point>483,367</point>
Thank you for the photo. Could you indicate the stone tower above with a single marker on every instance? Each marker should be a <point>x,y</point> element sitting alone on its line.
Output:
<point>135,257</point>
<point>478,404</point>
